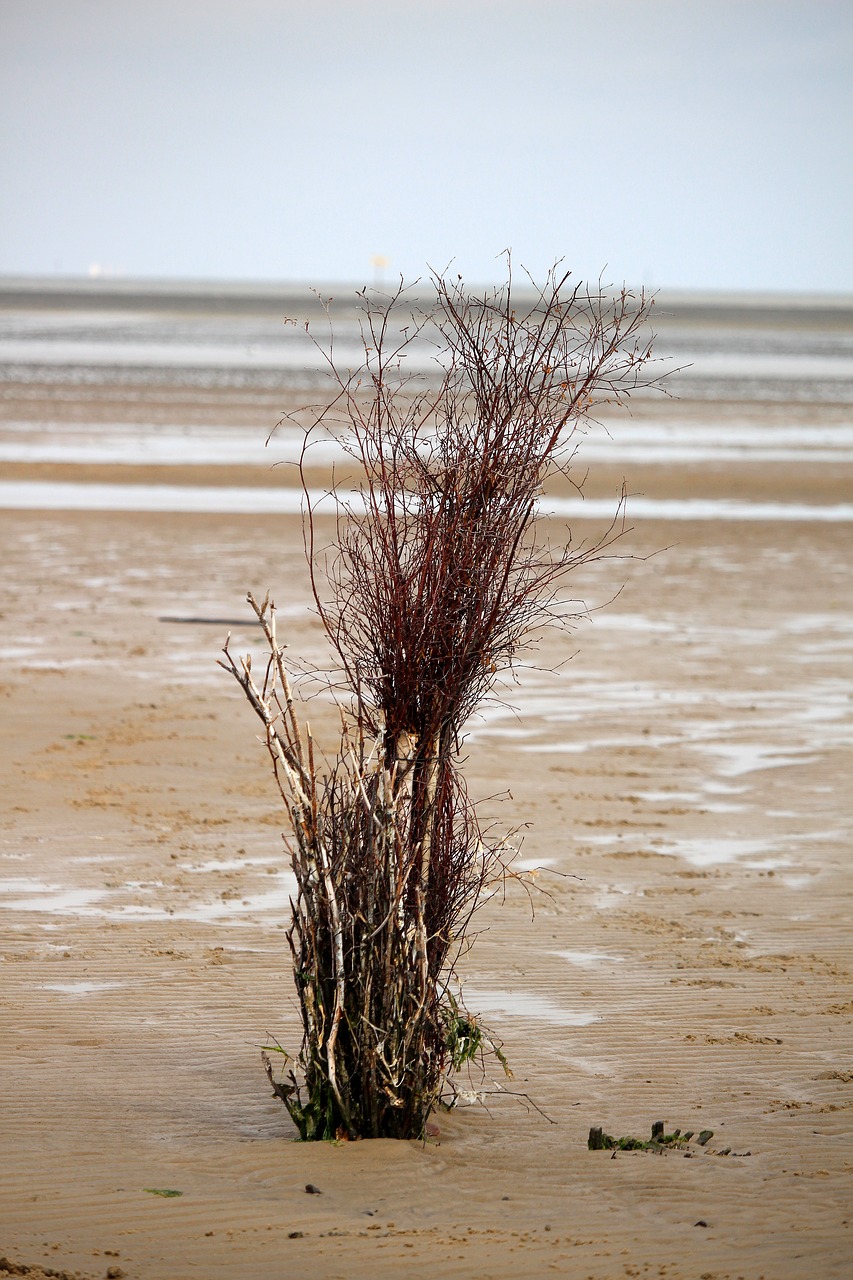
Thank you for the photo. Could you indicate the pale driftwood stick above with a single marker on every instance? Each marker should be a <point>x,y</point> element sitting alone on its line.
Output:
<point>277,652</point>
<point>338,938</point>
<point>289,757</point>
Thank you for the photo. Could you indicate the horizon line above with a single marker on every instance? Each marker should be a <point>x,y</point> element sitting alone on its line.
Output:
<point>35,285</point>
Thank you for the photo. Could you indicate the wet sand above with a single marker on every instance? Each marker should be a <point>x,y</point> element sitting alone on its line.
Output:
<point>686,781</point>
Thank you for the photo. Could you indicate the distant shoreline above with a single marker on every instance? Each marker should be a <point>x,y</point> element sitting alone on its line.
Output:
<point>235,296</point>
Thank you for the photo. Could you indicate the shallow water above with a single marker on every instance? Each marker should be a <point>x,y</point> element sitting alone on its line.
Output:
<point>66,496</point>
<point>711,352</point>
<point>236,906</point>
<point>588,959</point>
<point>82,988</point>
<point>156,444</point>
<point>524,1004</point>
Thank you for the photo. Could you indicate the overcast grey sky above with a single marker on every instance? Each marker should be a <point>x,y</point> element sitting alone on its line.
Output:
<point>679,143</point>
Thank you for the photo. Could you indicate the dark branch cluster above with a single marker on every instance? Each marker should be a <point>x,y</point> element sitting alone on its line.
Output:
<point>439,573</point>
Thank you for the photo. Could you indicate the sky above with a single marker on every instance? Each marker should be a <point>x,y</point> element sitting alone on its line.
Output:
<point>668,143</point>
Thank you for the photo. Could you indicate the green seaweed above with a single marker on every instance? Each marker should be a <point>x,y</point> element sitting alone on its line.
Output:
<point>660,1140</point>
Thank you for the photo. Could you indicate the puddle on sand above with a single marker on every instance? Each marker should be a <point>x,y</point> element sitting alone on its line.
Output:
<point>24,884</point>
<point>237,908</point>
<point>613,895</point>
<point>229,864</point>
<point>694,799</point>
<point>716,850</point>
<point>50,899</point>
<point>230,912</point>
<point>588,959</point>
<point>738,758</point>
<point>533,864</point>
<point>798,881</point>
<point>80,988</point>
<point>521,1004</point>
<point>760,854</point>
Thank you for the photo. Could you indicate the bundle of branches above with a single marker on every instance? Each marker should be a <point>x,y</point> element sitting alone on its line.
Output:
<point>438,575</point>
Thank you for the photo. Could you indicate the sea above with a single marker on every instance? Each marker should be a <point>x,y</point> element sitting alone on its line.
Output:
<point>749,379</point>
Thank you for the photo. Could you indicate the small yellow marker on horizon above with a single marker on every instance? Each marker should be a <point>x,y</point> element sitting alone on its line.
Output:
<point>380,263</point>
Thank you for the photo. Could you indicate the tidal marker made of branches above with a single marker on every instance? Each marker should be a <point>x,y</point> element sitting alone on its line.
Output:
<point>439,572</point>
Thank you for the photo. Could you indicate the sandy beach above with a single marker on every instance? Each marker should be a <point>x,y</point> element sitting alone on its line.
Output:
<point>682,951</point>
